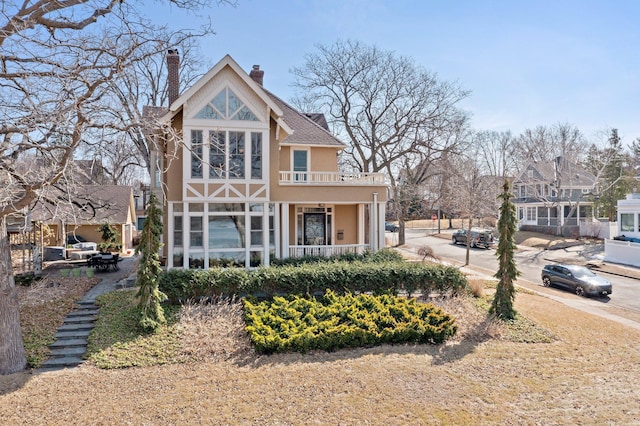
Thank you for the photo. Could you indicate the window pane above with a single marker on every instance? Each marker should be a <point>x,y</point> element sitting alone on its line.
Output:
<point>226,231</point>
<point>226,207</point>
<point>196,153</point>
<point>217,154</point>
<point>178,258</point>
<point>196,207</point>
<point>256,155</point>
<point>236,155</point>
<point>244,114</point>
<point>226,259</point>
<point>626,222</point>
<point>177,231</point>
<point>300,165</point>
<point>208,113</point>
<point>234,104</point>
<point>220,103</point>
<point>195,232</point>
<point>256,231</point>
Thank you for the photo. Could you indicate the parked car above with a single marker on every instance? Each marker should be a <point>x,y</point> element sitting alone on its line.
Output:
<point>478,238</point>
<point>391,227</point>
<point>578,279</point>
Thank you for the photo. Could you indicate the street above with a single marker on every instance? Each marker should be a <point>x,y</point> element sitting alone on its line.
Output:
<point>626,291</point>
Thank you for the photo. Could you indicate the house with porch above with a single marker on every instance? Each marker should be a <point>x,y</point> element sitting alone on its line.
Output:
<point>552,197</point>
<point>249,178</point>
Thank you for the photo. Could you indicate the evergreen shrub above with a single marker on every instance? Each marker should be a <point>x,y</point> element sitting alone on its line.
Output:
<point>330,322</point>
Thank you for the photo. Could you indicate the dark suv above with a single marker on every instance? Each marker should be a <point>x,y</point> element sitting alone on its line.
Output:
<point>478,238</point>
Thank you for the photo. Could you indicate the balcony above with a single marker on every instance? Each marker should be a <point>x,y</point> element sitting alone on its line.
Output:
<point>331,178</point>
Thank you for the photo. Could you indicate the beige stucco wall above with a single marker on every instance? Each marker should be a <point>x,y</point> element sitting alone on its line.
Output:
<point>346,220</point>
<point>173,179</point>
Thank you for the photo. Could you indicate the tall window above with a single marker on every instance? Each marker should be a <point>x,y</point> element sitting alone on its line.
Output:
<point>195,231</point>
<point>256,155</point>
<point>236,155</point>
<point>217,157</point>
<point>531,213</point>
<point>300,164</point>
<point>196,153</point>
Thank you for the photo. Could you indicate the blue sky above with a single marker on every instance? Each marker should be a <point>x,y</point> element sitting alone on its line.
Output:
<point>526,63</point>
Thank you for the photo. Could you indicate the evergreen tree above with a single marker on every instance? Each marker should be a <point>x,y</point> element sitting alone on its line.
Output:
<point>149,296</point>
<point>502,306</point>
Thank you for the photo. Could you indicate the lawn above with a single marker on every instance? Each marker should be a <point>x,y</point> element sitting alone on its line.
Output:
<point>587,375</point>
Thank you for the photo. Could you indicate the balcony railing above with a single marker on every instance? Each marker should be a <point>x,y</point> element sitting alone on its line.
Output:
<point>327,251</point>
<point>331,178</point>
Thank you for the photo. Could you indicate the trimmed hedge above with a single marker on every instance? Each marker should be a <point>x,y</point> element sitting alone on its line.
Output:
<point>314,278</point>
<point>384,255</point>
<point>331,322</point>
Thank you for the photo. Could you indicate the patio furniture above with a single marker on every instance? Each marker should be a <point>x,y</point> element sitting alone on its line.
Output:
<point>104,262</point>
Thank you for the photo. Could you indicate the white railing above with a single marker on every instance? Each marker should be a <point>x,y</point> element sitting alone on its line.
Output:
<point>331,178</point>
<point>327,251</point>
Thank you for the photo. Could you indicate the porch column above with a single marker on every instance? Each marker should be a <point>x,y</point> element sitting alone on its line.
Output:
<point>284,229</point>
<point>360,232</point>
<point>548,216</point>
<point>374,223</point>
<point>381,215</point>
<point>265,234</point>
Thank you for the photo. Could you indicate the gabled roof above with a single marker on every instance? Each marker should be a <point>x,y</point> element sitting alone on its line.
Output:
<point>178,104</point>
<point>566,173</point>
<point>301,129</point>
<point>306,131</point>
<point>90,204</point>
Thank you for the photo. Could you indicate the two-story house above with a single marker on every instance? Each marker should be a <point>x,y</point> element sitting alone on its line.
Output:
<point>553,197</point>
<point>250,179</point>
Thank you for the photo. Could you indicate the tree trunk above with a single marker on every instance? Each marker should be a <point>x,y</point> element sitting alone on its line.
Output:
<point>12,354</point>
<point>402,225</point>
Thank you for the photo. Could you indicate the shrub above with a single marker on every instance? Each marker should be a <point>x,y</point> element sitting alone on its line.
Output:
<point>340,277</point>
<point>331,322</point>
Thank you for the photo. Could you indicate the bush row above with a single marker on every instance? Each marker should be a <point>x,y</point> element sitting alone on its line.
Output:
<point>384,255</point>
<point>331,322</point>
<point>340,277</point>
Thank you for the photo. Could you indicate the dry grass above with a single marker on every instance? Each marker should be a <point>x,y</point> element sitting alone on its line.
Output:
<point>477,378</point>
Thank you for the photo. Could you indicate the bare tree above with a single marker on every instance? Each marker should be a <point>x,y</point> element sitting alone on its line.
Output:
<point>397,117</point>
<point>495,152</point>
<point>471,193</point>
<point>57,60</point>
<point>545,143</point>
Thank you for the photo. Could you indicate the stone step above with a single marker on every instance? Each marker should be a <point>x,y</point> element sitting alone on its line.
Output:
<point>80,319</point>
<point>67,361</point>
<point>68,343</point>
<point>86,304</point>
<point>74,334</point>
<point>82,313</point>
<point>75,326</point>
<point>68,351</point>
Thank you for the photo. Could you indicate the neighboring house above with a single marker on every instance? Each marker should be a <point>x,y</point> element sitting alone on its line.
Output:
<point>553,197</point>
<point>625,249</point>
<point>254,179</point>
<point>89,207</point>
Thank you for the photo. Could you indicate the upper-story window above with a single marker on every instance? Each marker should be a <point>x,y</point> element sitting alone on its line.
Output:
<point>196,153</point>
<point>300,164</point>
<point>226,106</point>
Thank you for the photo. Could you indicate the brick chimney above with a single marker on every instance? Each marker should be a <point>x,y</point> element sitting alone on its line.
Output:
<point>173,77</point>
<point>257,74</point>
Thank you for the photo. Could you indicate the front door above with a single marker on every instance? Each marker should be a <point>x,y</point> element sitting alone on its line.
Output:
<point>314,229</point>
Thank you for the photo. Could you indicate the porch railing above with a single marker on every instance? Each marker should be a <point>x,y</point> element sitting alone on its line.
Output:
<point>331,178</point>
<point>327,251</point>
